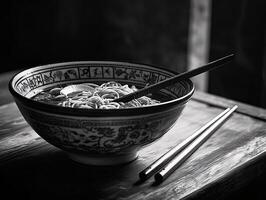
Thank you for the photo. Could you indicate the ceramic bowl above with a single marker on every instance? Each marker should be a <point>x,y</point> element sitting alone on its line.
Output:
<point>99,136</point>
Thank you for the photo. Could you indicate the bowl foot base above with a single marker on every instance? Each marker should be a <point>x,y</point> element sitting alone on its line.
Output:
<point>102,161</point>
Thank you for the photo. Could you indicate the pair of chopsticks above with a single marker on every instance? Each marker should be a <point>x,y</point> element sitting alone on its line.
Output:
<point>171,160</point>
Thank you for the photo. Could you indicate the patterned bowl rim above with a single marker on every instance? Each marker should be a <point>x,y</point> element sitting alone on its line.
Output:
<point>97,112</point>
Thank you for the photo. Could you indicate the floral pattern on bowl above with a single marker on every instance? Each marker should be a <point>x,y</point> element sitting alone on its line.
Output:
<point>99,137</point>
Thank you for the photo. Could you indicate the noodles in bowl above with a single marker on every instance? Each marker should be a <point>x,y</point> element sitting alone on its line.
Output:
<point>70,105</point>
<point>93,96</point>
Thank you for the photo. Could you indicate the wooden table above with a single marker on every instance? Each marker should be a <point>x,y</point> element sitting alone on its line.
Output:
<point>233,157</point>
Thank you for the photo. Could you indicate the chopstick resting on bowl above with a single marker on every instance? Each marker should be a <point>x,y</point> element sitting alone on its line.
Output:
<point>177,155</point>
<point>170,81</point>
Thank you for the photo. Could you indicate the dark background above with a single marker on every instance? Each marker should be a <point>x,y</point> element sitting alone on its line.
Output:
<point>42,32</point>
<point>152,32</point>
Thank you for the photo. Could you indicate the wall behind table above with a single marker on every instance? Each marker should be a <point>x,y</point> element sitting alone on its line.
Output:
<point>42,32</point>
<point>239,27</point>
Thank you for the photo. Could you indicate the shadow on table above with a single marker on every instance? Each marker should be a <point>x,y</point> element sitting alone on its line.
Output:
<point>55,176</point>
<point>52,175</point>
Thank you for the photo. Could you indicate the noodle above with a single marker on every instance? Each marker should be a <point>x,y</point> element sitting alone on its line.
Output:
<point>93,96</point>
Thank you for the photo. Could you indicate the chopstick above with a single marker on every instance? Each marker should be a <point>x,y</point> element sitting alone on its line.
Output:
<point>167,82</point>
<point>163,160</point>
<point>186,153</point>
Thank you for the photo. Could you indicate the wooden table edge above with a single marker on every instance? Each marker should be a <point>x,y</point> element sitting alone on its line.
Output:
<point>218,101</point>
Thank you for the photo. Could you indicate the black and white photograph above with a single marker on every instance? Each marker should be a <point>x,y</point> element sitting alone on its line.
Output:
<point>133,100</point>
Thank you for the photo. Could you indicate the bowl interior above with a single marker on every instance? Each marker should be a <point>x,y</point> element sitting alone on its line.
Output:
<point>30,82</point>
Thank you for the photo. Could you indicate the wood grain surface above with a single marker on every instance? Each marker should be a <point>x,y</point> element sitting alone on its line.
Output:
<point>234,155</point>
<point>5,96</point>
